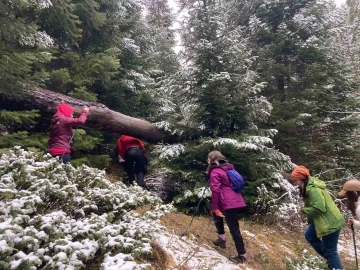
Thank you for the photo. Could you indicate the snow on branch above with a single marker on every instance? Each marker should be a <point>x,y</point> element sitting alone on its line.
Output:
<point>250,143</point>
<point>64,216</point>
<point>168,127</point>
<point>38,39</point>
<point>169,151</point>
<point>129,44</point>
<point>42,3</point>
<point>279,160</point>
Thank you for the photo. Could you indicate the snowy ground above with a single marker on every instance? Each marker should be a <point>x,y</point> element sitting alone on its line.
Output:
<point>58,217</point>
<point>184,251</point>
<point>53,216</point>
<point>346,246</point>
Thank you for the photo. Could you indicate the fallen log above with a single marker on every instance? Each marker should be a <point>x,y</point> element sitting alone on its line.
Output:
<point>100,117</point>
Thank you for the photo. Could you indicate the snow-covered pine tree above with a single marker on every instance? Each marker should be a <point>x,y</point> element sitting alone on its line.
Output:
<point>222,89</point>
<point>23,45</point>
<point>309,90</point>
<point>162,60</point>
<point>344,46</point>
<point>24,50</point>
<point>345,34</point>
<point>87,57</point>
<point>54,216</point>
<point>87,38</point>
<point>161,20</point>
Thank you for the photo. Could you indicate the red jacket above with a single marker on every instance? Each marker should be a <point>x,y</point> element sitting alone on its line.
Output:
<point>125,142</point>
<point>61,129</point>
<point>222,195</point>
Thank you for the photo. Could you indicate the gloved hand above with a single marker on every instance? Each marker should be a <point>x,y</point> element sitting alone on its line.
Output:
<point>218,213</point>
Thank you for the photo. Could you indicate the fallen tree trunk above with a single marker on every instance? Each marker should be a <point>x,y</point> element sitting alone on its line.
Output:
<point>100,117</point>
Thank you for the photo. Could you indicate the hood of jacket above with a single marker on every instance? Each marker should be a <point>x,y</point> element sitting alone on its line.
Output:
<point>65,110</point>
<point>223,164</point>
<point>315,182</point>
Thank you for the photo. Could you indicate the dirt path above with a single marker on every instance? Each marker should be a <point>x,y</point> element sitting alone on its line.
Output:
<point>202,232</point>
<point>267,247</point>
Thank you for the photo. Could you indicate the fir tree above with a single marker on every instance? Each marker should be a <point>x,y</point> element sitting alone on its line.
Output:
<point>222,90</point>
<point>161,20</point>
<point>88,39</point>
<point>163,62</point>
<point>344,28</point>
<point>85,61</point>
<point>23,47</point>
<point>304,81</point>
<point>220,61</point>
<point>344,47</point>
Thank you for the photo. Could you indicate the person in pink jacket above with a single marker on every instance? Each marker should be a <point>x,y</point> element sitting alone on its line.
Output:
<point>61,133</point>
<point>225,203</point>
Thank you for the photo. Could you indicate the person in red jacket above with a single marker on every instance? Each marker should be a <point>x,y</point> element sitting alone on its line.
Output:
<point>132,152</point>
<point>61,133</point>
<point>226,204</point>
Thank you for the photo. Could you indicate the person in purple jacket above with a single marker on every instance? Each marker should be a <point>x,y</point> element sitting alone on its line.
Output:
<point>225,203</point>
<point>61,133</point>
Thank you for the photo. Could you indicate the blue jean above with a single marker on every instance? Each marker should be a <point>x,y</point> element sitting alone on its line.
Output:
<point>326,246</point>
<point>64,158</point>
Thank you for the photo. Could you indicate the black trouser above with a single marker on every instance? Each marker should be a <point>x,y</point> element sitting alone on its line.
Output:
<point>232,220</point>
<point>135,163</point>
<point>65,158</point>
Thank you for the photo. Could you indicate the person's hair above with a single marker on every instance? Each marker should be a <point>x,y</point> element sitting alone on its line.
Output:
<point>303,190</point>
<point>214,157</point>
<point>352,198</point>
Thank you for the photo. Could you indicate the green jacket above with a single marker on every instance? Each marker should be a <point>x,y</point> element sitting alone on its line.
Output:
<point>320,209</point>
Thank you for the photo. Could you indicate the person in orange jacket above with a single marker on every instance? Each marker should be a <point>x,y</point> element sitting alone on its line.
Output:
<point>132,156</point>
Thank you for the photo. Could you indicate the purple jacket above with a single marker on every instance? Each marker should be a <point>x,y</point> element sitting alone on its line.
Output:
<point>223,197</point>
<point>61,130</point>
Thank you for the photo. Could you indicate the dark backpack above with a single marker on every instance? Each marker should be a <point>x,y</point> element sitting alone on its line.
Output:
<point>237,181</point>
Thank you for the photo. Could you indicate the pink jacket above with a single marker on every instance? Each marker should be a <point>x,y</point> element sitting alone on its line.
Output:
<point>61,131</point>
<point>223,197</point>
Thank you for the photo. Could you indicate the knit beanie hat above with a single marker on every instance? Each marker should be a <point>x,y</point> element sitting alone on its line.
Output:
<point>300,173</point>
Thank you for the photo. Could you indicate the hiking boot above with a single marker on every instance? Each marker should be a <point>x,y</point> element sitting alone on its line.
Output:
<point>128,183</point>
<point>220,243</point>
<point>238,259</point>
<point>140,179</point>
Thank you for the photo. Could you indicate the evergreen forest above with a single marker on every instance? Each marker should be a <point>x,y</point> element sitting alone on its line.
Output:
<point>272,84</point>
<point>269,83</point>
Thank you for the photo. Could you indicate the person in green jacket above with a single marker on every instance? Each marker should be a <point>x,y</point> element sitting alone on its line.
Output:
<point>324,217</point>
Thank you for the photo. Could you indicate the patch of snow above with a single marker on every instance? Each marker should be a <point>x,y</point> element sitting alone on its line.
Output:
<point>185,252</point>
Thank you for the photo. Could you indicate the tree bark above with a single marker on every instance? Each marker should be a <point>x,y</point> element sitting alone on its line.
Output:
<point>99,118</point>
